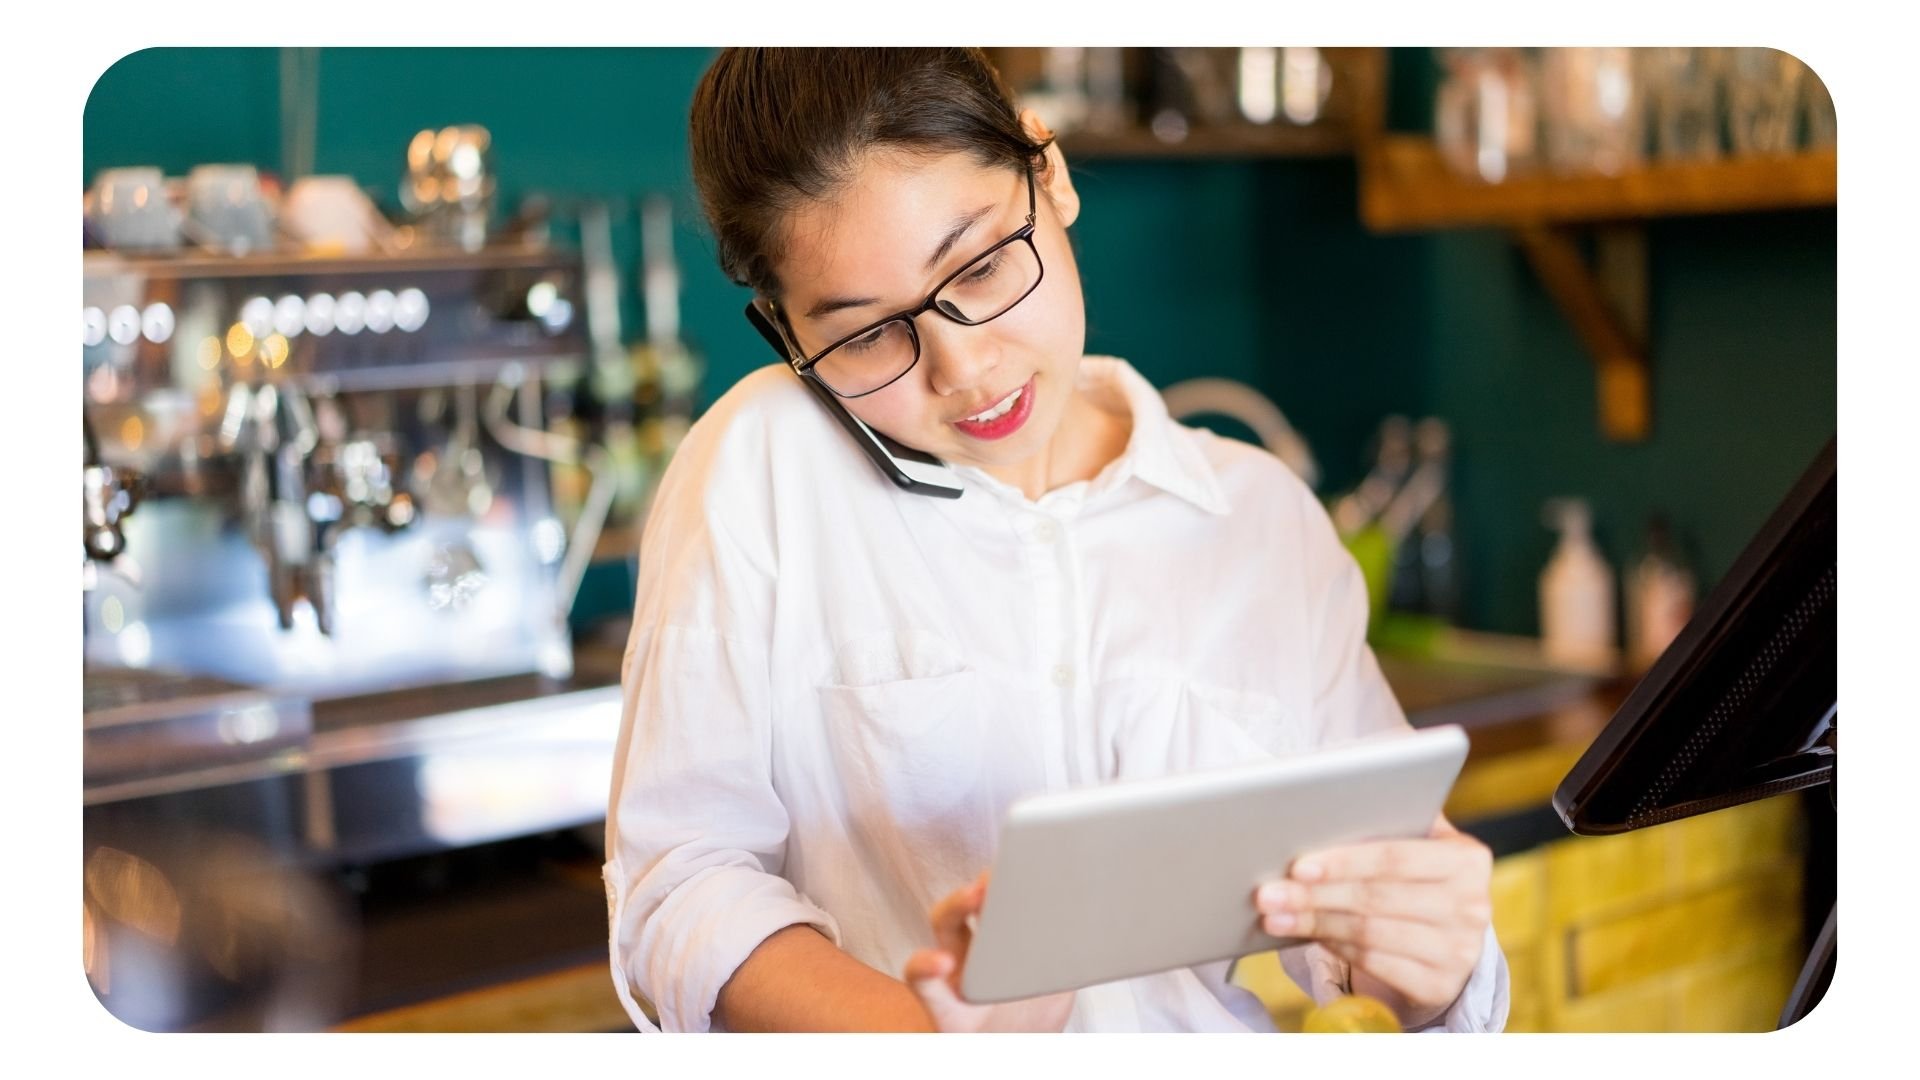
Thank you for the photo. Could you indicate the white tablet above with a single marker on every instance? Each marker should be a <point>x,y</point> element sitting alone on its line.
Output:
<point>1141,876</point>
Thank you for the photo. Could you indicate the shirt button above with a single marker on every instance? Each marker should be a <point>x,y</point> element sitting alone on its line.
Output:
<point>1044,532</point>
<point>1062,675</point>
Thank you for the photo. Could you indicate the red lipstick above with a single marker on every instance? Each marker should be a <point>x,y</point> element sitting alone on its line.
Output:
<point>1002,426</point>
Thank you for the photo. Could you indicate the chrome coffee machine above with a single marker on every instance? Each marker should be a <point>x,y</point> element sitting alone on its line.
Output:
<point>326,583</point>
<point>323,501</point>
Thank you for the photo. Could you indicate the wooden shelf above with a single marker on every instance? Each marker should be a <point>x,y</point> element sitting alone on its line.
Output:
<point>196,263</point>
<point>1405,186</point>
<point>1346,120</point>
<point>1246,141</point>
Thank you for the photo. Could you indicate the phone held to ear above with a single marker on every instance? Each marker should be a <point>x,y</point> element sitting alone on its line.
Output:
<point>913,471</point>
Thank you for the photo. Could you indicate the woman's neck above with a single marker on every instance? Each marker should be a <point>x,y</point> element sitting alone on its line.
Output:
<point>1088,439</point>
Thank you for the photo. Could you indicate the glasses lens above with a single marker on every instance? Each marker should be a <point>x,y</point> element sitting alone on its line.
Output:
<point>991,284</point>
<point>868,362</point>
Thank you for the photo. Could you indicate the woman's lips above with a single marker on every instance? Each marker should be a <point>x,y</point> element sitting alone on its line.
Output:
<point>1003,426</point>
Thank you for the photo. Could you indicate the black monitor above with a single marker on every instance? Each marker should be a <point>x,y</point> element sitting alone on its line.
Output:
<point>1743,704</point>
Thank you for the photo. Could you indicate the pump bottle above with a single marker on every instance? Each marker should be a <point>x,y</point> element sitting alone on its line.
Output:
<point>1577,624</point>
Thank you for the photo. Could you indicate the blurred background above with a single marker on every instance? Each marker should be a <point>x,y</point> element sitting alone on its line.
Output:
<point>384,350</point>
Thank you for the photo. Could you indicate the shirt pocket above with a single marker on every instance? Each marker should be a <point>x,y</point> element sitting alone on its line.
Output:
<point>909,746</point>
<point>1267,722</point>
<point>911,758</point>
<point>1179,725</point>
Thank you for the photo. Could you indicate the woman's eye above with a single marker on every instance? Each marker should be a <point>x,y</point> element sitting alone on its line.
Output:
<point>985,270</point>
<point>866,341</point>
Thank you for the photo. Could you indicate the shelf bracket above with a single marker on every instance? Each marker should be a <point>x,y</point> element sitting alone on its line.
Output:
<point>1607,305</point>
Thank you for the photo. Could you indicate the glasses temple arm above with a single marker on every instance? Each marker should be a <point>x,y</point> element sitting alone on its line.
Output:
<point>771,333</point>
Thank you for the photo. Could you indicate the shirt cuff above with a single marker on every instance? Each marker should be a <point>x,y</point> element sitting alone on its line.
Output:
<point>1482,1005</point>
<point>1485,1000</point>
<point>679,957</point>
<point>1315,969</point>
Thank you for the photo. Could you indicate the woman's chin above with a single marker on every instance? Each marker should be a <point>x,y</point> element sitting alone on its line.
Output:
<point>997,459</point>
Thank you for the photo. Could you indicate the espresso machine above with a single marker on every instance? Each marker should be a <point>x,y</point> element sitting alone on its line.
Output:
<point>326,582</point>
<point>342,478</point>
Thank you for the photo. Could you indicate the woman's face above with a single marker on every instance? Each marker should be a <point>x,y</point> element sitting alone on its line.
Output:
<point>876,243</point>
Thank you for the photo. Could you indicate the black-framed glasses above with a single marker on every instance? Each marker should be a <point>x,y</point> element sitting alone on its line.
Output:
<point>876,355</point>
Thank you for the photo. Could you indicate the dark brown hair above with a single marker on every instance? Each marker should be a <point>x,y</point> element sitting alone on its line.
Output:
<point>772,129</point>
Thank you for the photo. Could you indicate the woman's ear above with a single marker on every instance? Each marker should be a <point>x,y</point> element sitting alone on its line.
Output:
<point>1053,178</point>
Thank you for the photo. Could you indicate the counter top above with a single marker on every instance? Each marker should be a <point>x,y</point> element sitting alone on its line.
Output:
<point>1526,726</point>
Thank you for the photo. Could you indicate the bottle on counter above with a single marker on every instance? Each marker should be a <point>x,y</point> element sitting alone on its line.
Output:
<point>1391,464</point>
<point>1358,514</point>
<point>1419,520</point>
<point>1659,597</point>
<point>1439,562</point>
<point>1577,626</point>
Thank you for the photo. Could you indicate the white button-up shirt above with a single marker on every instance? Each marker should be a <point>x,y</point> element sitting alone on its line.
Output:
<point>834,689</point>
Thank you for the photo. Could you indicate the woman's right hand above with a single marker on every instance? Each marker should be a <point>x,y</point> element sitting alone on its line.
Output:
<point>934,975</point>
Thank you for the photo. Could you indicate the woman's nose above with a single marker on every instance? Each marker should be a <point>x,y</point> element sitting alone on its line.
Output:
<point>960,359</point>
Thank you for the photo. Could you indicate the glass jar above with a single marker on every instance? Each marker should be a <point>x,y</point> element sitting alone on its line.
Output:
<point>1816,106</point>
<point>1593,110</point>
<point>1684,88</point>
<point>1763,88</point>
<point>1485,121</point>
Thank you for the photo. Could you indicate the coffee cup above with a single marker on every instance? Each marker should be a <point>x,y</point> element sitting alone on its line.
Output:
<point>330,214</point>
<point>227,209</point>
<point>128,210</point>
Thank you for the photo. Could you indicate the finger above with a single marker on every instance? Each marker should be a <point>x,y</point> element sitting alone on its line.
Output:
<point>928,964</point>
<point>953,909</point>
<point>1406,860</point>
<point>1420,941</point>
<point>977,901</point>
<point>930,976</point>
<point>1423,985</point>
<point>949,920</point>
<point>1428,902</point>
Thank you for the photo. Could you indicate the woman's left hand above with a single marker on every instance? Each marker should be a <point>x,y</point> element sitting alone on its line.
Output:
<point>1410,916</point>
<point>934,975</point>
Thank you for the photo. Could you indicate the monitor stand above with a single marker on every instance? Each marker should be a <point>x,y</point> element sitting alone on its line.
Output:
<point>1815,974</point>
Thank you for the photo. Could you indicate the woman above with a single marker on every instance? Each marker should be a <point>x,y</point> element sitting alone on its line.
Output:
<point>835,688</point>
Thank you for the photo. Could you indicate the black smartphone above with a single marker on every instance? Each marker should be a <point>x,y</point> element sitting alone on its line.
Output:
<point>914,471</point>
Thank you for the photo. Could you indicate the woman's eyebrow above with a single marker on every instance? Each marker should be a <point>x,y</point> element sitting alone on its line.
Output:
<point>829,305</point>
<point>961,226</point>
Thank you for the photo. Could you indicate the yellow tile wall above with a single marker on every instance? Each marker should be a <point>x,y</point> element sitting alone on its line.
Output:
<point>1689,926</point>
<point>1758,909</point>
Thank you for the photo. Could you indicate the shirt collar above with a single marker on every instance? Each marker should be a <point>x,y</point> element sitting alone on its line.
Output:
<point>1159,451</point>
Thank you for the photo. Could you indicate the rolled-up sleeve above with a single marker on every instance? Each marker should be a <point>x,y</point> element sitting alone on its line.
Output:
<point>1483,1003</point>
<point>1485,1000</point>
<point>696,834</point>
<point>1352,700</point>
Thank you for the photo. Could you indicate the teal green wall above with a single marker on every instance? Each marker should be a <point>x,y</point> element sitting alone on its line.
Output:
<point>572,123</point>
<point>1255,270</point>
<point>1744,358</point>
<point>177,108</point>
<point>1744,395</point>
